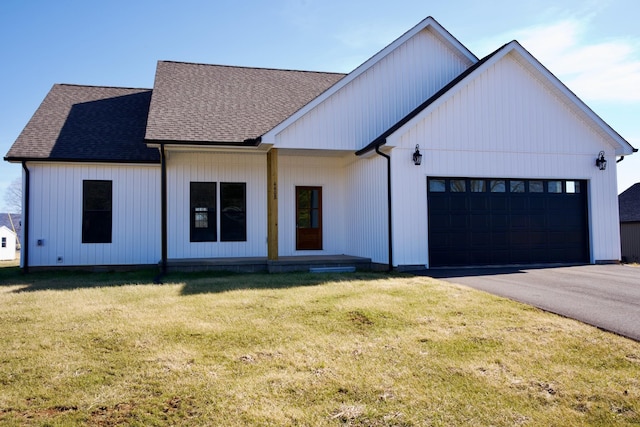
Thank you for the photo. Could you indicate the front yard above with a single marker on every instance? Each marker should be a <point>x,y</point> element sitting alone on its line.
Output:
<point>298,349</point>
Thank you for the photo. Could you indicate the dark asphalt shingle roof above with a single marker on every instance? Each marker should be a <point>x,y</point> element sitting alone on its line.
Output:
<point>87,123</point>
<point>629,204</point>
<point>223,104</point>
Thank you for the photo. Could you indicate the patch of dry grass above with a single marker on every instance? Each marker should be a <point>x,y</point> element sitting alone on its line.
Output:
<point>299,349</point>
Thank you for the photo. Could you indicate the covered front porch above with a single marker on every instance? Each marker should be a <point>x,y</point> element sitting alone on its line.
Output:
<point>308,263</point>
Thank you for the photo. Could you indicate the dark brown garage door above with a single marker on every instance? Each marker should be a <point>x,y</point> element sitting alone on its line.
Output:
<point>498,221</point>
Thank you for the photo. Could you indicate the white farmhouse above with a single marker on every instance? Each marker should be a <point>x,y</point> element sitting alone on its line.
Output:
<point>423,156</point>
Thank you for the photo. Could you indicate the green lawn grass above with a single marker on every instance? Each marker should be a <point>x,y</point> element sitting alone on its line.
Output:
<point>359,349</point>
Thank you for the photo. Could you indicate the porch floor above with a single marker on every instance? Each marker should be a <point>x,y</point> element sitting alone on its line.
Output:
<point>262,264</point>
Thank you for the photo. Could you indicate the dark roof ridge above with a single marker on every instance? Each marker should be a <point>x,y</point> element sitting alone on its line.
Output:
<point>248,67</point>
<point>102,86</point>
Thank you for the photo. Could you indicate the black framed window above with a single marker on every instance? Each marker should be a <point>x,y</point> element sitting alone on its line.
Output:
<point>96,211</point>
<point>203,211</point>
<point>233,212</point>
<point>4,242</point>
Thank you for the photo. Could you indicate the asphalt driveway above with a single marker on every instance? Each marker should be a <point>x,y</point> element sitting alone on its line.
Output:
<point>605,296</point>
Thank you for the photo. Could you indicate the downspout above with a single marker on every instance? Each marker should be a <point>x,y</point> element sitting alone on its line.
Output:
<point>25,221</point>
<point>390,233</point>
<point>620,159</point>
<point>163,208</point>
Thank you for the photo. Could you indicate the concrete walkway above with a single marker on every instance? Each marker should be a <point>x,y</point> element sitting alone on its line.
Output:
<point>605,296</point>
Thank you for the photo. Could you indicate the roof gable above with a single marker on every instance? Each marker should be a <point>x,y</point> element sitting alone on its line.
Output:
<point>14,221</point>
<point>629,204</point>
<point>198,103</point>
<point>429,24</point>
<point>87,123</point>
<point>6,230</point>
<point>621,146</point>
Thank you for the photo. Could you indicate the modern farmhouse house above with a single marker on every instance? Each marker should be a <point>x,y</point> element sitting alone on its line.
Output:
<point>423,156</point>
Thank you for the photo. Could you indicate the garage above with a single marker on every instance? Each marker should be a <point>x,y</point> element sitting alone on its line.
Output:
<point>501,221</point>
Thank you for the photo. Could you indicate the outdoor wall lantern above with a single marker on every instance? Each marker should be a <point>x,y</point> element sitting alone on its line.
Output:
<point>601,162</point>
<point>417,157</point>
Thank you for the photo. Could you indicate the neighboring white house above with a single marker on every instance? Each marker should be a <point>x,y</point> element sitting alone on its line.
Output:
<point>8,242</point>
<point>422,156</point>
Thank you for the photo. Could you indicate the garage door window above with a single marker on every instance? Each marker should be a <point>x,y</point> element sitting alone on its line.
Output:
<point>497,186</point>
<point>458,185</point>
<point>517,186</point>
<point>555,186</point>
<point>536,187</point>
<point>477,185</point>
<point>573,187</point>
<point>437,185</point>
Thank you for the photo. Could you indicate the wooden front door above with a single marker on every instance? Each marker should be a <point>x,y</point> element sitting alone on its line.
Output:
<point>308,218</point>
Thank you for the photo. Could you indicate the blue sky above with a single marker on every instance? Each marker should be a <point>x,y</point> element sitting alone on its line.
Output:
<point>592,46</point>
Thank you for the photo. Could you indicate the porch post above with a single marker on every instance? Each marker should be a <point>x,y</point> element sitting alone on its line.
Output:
<point>272,204</point>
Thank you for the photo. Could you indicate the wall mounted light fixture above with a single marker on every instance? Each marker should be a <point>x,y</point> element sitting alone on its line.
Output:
<point>417,157</point>
<point>601,162</point>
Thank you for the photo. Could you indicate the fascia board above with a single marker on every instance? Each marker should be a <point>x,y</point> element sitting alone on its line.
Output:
<point>428,22</point>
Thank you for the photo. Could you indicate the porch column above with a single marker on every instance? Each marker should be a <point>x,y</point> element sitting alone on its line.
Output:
<point>272,204</point>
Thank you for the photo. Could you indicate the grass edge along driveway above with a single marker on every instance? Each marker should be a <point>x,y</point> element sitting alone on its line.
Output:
<point>299,349</point>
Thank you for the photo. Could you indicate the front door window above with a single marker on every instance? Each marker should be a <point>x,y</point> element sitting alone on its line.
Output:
<point>308,218</point>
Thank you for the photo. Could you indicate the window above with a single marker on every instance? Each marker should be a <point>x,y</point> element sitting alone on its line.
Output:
<point>536,187</point>
<point>516,186</point>
<point>478,186</point>
<point>96,211</point>
<point>573,187</point>
<point>4,242</point>
<point>203,212</point>
<point>554,186</point>
<point>437,185</point>
<point>498,186</point>
<point>458,185</point>
<point>233,212</point>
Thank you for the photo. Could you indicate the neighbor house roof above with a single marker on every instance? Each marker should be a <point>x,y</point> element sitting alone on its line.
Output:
<point>17,221</point>
<point>87,123</point>
<point>629,204</point>
<point>215,104</point>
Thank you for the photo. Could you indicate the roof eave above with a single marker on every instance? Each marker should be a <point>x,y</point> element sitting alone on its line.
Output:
<point>19,159</point>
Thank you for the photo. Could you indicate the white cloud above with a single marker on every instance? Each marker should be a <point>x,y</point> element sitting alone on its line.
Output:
<point>607,70</point>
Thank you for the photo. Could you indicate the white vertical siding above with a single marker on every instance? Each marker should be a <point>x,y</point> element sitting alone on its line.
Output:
<point>325,172</point>
<point>377,99</point>
<point>249,168</point>
<point>366,209</point>
<point>504,123</point>
<point>56,215</point>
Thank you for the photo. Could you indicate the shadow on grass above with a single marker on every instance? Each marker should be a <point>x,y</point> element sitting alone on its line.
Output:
<point>199,283</point>
<point>192,283</point>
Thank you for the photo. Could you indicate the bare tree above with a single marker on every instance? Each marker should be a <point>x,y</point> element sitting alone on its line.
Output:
<point>13,196</point>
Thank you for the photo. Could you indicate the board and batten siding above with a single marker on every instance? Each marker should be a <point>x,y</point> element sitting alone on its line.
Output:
<point>376,100</point>
<point>186,167</point>
<point>505,123</point>
<point>366,209</point>
<point>56,215</point>
<point>312,170</point>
